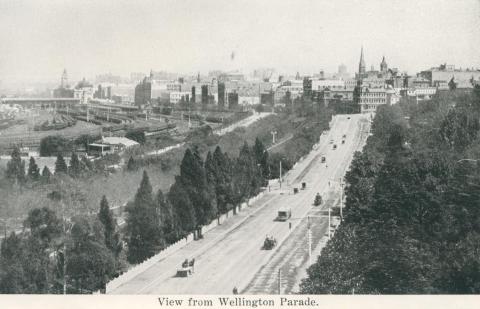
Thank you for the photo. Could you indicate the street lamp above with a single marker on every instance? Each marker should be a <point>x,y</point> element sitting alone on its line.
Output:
<point>274,133</point>
<point>309,231</point>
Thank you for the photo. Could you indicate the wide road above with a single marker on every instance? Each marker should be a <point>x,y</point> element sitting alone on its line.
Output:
<point>230,255</point>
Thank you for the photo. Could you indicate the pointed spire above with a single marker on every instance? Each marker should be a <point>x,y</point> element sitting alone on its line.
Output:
<point>361,65</point>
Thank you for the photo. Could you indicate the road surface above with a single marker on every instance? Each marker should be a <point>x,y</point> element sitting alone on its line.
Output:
<point>230,255</point>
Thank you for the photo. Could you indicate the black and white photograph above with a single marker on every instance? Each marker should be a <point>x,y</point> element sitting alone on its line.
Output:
<point>240,148</point>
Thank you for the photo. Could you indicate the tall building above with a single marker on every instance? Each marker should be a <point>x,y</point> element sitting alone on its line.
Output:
<point>307,87</point>
<point>64,80</point>
<point>83,91</point>
<point>204,94</point>
<point>143,92</point>
<point>383,66</point>
<point>361,65</point>
<point>221,95</point>
<point>63,91</point>
<point>232,100</point>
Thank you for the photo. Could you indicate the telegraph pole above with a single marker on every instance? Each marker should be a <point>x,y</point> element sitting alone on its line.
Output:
<point>341,199</point>
<point>309,236</point>
<point>279,281</point>
<point>280,174</point>
<point>329,236</point>
<point>64,251</point>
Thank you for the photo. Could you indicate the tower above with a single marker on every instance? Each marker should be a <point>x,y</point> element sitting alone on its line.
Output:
<point>383,66</point>
<point>361,65</point>
<point>64,80</point>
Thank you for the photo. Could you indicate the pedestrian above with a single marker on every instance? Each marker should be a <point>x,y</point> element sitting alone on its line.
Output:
<point>235,291</point>
<point>289,225</point>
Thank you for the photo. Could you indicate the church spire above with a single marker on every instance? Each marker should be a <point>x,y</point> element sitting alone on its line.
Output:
<point>383,65</point>
<point>64,79</point>
<point>361,65</point>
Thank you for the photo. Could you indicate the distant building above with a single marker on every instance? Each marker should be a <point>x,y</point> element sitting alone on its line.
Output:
<point>63,91</point>
<point>441,75</point>
<point>371,98</point>
<point>193,95</point>
<point>137,77</point>
<point>307,87</point>
<point>221,94</point>
<point>204,94</point>
<point>177,96</point>
<point>83,91</point>
<point>267,98</point>
<point>103,92</point>
<point>143,93</point>
<point>232,100</point>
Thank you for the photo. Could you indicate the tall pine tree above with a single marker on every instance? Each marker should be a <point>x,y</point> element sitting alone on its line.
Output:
<point>16,168</point>
<point>261,157</point>
<point>143,231</point>
<point>60,165</point>
<point>193,178</point>
<point>33,170</point>
<point>182,206</point>
<point>75,168</point>
<point>46,174</point>
<point>112,237</point>
<point>167,218</point>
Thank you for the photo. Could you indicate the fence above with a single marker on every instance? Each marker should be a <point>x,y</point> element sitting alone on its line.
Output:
<point>140,268</point>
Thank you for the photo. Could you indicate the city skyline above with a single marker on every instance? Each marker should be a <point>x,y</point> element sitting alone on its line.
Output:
<point>191,36</point>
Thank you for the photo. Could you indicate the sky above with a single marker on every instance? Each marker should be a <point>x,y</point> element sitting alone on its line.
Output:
<point>38,39</point>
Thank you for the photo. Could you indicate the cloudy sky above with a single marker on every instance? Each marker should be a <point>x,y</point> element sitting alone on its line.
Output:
<point>39,38</point>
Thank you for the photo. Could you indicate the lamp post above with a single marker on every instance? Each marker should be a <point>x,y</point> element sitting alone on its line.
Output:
<point>309,231</point>
<point>274,133</point>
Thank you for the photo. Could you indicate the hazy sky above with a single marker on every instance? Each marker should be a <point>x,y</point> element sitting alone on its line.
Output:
<point>38,38</point>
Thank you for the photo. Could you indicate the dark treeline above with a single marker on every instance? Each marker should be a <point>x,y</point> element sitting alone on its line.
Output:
<point>34,261</point>
<point>412,217</point>
<point>79,167</point>
<point>203,191</point>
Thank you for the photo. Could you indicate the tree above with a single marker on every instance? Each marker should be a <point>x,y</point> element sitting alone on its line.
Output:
<point>12,277</point>
<point>452,85</point>
<point>221,169</point>
<point>167,218</point>
<point>193,178</point>
<point>60,165</point>
<point>143,231</point>
<point>182,206</point>
<point>54,145</point>
<point>112,237</point>
<point>90,263</point>
<point>43,224</point>
<point>137,135</point>
<point>46,174</point>
<point>261,157</point>
<point>16,168</point>
<point>245,179</point>
<point>131,164</point>
<point>75,168</point>
<point>33,170</point>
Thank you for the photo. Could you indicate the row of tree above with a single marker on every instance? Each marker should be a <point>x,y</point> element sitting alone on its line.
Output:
<point>202,192</point>
<point>412,221</point>
<point>16,173</point>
